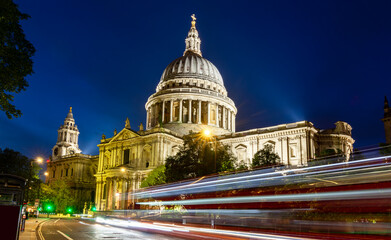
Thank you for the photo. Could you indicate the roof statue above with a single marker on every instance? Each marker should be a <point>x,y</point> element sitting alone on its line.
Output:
<point>127,123</point>
<point>141,127</point>
<point>193,22</point>
<point>115,132</point>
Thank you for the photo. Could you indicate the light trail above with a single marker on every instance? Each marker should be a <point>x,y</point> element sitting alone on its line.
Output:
<point>258,180</point>
<point>324,196</point>
<point>186,229</point>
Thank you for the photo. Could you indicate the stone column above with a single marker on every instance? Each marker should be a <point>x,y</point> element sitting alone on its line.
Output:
<point>123,191</point>
<point>109,195</point>
<point>229,120</point>
<point>114,184</point>
<point>190,113</point>
<point>148,124</point>
<point>208,122</point>
<point>97,193</point>
<point>199,111</point>
<point>180,110</point>
<point>224,119</point>
<point>171,110</point>
<point>153,115</point>
<point>217,115</point>
<point>163,106</point>
<point>233,123</point>
<point>285,150</point>
<point>304,147</point>
<point>300,150</point>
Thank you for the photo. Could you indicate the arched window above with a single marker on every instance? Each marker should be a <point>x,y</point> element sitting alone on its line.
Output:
<point>146,157</point>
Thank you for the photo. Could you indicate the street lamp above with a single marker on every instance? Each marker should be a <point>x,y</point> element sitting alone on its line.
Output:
<point>39,160</point>
<point>207,134</point>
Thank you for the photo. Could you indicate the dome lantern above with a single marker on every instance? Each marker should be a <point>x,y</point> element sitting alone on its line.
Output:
<point>193,42</point>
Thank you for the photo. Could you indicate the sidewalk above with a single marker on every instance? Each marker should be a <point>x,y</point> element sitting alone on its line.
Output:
<point>30,226</point>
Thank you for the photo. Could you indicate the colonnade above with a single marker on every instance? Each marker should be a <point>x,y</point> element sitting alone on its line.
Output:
<point>66,136</point>
<point>190,111</point>
<point>115,193</point>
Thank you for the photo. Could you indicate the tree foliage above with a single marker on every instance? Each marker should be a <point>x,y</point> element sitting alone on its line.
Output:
<point>13,162</point>
<point>15,56</point>
<point>59,193</point>
<point>155,177</point>
<point>198,157</point>
<point>265,157</point>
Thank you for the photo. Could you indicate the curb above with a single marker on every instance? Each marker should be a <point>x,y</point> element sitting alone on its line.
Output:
<point>38,233</point>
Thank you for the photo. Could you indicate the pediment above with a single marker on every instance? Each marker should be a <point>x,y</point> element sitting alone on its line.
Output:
<point>241,146</point>
<point>124,135</point>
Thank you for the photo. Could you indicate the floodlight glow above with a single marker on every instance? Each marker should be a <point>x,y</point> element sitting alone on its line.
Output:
<point>207,132</point>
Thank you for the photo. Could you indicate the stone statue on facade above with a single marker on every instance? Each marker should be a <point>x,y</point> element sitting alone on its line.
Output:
<point>127,123</point>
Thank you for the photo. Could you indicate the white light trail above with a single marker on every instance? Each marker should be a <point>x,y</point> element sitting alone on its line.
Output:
<point>323,196</point>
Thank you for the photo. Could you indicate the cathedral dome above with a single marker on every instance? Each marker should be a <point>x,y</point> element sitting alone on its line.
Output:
<point>191,95</point>
<point>192,65</point>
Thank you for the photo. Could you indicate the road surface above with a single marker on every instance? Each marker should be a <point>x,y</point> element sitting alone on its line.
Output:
<point>68,229</point>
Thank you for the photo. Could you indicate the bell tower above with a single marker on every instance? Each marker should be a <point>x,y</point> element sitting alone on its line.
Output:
<point>387,121</point>
<point>68,138</point>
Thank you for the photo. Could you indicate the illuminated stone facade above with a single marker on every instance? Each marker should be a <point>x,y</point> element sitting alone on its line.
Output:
<point>191,97</point>
<point>68,164</point>
<point>124,161</point>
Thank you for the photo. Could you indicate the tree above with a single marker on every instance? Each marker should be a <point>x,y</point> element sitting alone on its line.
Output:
<point>59,193</point>
<point>15,56</point>
<point>198,157</point>
<point>265,157</point>
<point>13,162</point>
<point>155,177</point>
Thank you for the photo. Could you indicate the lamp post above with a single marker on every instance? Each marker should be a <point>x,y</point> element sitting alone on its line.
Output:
<point>207,134</point>
<point>39,193</point>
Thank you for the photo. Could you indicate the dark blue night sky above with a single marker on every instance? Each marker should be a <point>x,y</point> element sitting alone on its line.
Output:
<point>281,61</point>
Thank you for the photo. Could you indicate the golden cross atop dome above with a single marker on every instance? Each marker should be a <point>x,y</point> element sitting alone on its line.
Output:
<point>193,22</point>
<point>70,109</point>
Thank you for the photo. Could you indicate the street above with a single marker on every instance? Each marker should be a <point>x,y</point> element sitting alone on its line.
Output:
<point>57,229</point>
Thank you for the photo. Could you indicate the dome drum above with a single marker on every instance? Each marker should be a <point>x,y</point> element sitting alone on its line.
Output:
<point>170,112</point>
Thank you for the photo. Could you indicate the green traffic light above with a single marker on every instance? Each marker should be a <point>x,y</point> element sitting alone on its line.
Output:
<point>93,209</point>
<point>49,207</point>
<point>69,210</point>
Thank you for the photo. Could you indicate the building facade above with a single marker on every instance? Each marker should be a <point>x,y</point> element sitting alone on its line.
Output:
<point>191,97</point>
<point>67,163</point>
